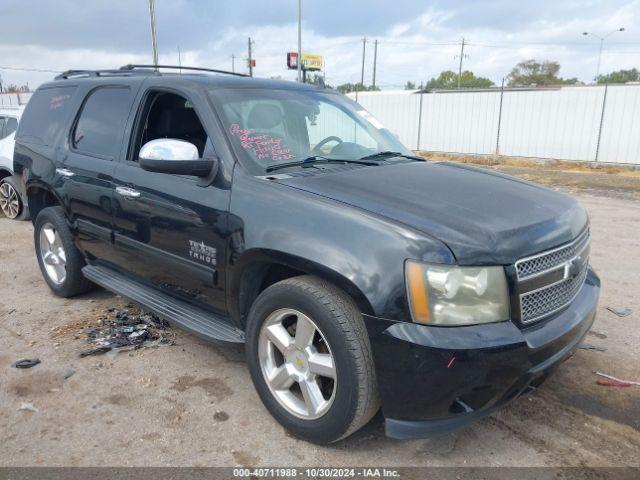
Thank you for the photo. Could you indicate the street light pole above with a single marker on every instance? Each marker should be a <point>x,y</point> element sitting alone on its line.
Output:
<point>602,39</point>
<point>299,40</point>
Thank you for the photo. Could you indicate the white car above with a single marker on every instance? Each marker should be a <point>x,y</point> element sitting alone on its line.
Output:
<point>12,204</point>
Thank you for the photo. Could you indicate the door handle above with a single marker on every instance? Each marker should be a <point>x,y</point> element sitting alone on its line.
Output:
<point>127,192</point>
<point>64,172</point>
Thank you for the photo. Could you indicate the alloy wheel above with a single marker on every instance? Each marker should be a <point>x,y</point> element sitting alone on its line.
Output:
<point>52,254</point>
<point>9,200</point>
<point>297,364</point>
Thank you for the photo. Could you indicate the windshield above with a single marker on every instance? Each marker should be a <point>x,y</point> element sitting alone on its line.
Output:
<point>268,127</point>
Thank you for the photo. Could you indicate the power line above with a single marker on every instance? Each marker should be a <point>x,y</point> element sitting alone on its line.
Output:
<point>541,45</point>
<point>23,69</point>
<point>405,42</point>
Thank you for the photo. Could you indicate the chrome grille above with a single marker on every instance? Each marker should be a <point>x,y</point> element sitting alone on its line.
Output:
<point>553,258</point>
<point>566,268</point>
<point>537,304</point>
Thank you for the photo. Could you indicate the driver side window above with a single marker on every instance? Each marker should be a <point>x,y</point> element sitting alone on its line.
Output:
<point>331,121</point>
<point>168,115</point>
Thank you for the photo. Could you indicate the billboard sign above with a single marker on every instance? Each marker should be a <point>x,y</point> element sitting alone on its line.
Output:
<point>310,61</point>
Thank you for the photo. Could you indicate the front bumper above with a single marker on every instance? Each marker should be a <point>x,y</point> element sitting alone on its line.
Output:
<point>434,380</point>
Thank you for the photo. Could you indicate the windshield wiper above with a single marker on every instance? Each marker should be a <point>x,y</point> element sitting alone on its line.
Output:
<point>309,161</point>
<point>389,154</point>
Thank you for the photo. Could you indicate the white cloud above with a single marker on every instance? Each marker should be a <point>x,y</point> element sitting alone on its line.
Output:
<point>415,48</point>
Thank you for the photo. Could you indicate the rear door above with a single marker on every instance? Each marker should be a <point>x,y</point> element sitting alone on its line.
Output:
<point>94,143</point>
<point>170,230</point>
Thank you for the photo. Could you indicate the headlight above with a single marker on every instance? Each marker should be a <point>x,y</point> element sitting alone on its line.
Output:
<point>452,295</point>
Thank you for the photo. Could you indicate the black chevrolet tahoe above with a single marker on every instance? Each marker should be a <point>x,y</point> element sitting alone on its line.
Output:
<point>285,217</point>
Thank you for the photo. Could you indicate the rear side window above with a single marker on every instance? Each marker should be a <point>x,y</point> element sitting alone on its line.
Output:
<point>98,130</point>
<point>45,115</point>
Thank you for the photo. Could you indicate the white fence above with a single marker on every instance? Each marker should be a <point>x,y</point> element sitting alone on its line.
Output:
<point>14,99</point>
<point>591,123</point>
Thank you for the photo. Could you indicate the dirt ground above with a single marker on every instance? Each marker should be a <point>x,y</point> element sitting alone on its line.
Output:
<point>193,404</point>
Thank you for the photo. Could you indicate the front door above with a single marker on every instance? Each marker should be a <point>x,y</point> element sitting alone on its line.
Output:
<point>170,229</point>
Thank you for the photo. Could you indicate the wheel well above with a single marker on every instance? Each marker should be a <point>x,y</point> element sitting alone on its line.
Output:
<point>4,173</point>
<point>40,198</point>
<point>259,276</point>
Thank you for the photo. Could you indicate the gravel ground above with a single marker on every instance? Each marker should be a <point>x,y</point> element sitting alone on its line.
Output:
<point>193,404</point>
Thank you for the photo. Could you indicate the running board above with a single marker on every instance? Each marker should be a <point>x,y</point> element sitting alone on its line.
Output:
<point>197,321</point>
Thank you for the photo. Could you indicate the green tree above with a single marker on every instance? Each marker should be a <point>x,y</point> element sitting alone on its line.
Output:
<point>318,80</point>
<point>449,79</point>
<point>409,86</point>
<point>356,87</point>
<point>534,73</point>
<point>621,76</point>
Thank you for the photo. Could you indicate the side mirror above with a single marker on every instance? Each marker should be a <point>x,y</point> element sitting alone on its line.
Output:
<point>167,155</point>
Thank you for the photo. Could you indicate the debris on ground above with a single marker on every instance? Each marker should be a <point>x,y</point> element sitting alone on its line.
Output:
<point>221,416</point>
<point>28,407</point>
<point>126,329</point>
<point>614,381</point>
<point>68,373</point>
<point>611,383</point>
<point>588,346</point>
<point>599,335</point>
<point>26,363</point>
<point>625,312</point>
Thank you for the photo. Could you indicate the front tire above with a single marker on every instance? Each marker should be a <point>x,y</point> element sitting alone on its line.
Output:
<point>310,359</point>
<point>59,259</point>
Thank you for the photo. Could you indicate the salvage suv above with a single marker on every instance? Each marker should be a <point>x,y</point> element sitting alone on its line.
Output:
<point>285,217</point>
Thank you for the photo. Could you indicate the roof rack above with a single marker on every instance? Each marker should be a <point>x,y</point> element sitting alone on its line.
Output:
<point>93,73</point>
<point>179,67</point>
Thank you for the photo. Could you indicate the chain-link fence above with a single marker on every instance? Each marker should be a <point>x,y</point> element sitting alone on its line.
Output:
<point>587,123</point>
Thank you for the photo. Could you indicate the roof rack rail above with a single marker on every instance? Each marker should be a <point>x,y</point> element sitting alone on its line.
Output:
<point>179,67</point>
<point>92,73</point>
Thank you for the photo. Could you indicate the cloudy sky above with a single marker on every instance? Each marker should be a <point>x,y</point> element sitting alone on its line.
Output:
<point>417,38</point>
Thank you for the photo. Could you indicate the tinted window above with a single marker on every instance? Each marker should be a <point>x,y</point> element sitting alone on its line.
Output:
<point>45,114</point>
<point>99,128</point>
<point>3,120</point>
<point>10,126</point>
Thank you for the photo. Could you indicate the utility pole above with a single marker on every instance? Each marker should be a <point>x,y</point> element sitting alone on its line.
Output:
<point>460,67</point>
<point>233,63</point>
<point>250,60</point>
<point>364,49</point>
<point>154,43</point>
<point>179,59</point>
<point>299,40</point>
<point>375,60</point>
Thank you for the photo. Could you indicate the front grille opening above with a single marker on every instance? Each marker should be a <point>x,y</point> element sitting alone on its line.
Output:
<point>541,262</point>
<point>545,300</point>
<point>536,305</point>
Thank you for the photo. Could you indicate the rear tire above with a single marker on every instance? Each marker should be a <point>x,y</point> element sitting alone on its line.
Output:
<point>59,259</point>
<point>349,391</point>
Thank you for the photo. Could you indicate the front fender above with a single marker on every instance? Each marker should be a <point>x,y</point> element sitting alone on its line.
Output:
<point>365,250</point>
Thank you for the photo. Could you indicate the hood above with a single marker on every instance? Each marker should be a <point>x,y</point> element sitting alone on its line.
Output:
<point>484,217</point>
